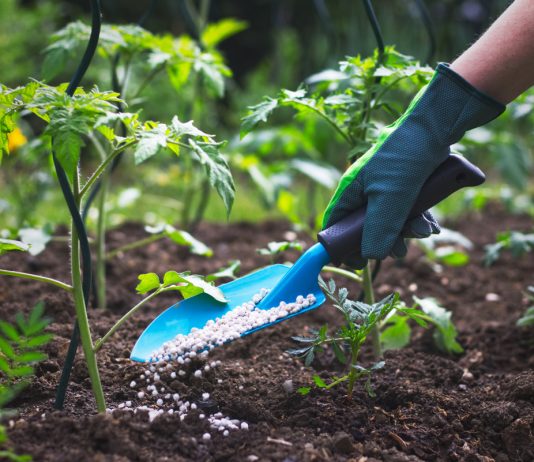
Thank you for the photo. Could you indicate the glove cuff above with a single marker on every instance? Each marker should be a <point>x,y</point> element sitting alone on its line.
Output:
<point>475,108</point>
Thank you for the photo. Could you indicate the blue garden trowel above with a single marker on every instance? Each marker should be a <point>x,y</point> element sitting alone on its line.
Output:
<point>287,282</point>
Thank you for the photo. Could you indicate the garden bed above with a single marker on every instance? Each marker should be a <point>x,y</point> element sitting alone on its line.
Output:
<point>478,406</point>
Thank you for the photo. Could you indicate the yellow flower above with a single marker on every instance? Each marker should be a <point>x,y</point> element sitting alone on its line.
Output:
<point>16,139</point>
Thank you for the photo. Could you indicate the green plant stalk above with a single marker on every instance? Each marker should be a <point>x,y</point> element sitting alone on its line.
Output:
<point>353,375</point>
<point>121,321</point>
<point>134,245</point>
<point>202,203</point>
<point>36,277</point>
<point>342,272</point>
<point>100,267</point>
<point>369,298</point>
<point>81,312</point>
<point>103,166</point>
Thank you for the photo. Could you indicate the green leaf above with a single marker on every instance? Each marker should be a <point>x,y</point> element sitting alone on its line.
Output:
<point>308,359</point>
<point>149,282</point>
<point>9,331</point>
<point>21,371</point>
<point>150,143</point>
<point>39,340</point>
<point>397,335</point>
<point>445,334</point>
<point>30,357</point>
<point>212,72</point>
<point>181,237</point>
<point>218,171</point>
<point>340,354</point>
<point>275,248</point>
<point>215,33</point>
<point>191,285</point>
<point>8,245</point>
<point>37,313</point>
<point>451,256</point>
<point>323,174</point>
<point>304,390</point>
<point>67,148</point>
<point>7,349</point>
<point>527,319</point>
<point>319,381</point>
<point>228,272</point>
<point>257,114</point>
<point>187,128</point>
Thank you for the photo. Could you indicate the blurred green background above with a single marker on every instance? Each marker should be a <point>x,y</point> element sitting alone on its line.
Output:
<point>284,43</point>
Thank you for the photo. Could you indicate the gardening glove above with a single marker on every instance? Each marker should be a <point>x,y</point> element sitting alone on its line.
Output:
<point>389,176</point>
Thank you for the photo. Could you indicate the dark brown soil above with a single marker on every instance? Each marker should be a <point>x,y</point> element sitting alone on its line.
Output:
<point>478,406</point>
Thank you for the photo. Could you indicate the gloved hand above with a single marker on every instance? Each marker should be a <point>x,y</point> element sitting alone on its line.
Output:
<point>389,176</point>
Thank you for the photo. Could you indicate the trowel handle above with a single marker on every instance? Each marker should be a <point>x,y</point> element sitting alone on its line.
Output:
<point>344,237</point>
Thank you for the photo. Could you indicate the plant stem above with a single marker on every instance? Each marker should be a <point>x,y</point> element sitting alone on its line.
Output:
<point>202,203</point>
<point>342,272</point>
<point>121,321</point>
<point>100,267</point>
<point>36,277</point>
<point>102,167</point>
<point>369,298</point>
<point>134,245</point>
<point>353,375</point>
<point>81,312</point>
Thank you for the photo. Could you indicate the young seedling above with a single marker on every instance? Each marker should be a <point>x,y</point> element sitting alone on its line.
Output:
<point>528,318</point>
<point>448,247</point>
<point>360,319</point>
<point>353,101</point>
<point>518,243</point>
<point>20,351</point>
<point>69,121</point>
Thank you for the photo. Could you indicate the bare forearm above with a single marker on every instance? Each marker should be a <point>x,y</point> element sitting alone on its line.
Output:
<point>501,62</point>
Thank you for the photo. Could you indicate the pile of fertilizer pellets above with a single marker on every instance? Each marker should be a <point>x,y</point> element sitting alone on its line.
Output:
<point>173,361</point>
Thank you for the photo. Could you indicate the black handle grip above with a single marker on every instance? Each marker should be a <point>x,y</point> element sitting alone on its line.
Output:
<point>344,237</point>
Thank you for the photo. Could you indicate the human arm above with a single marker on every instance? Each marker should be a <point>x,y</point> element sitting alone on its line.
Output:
<point>468,94</point>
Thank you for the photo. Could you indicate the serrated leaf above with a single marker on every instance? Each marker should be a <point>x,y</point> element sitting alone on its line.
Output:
<point>219,174</point>
<point>149,282</point>
<point>187,128</point>
<point>150,143</point>
<point>67,147</point>
<point>257,114</point>
<point>212,72</point>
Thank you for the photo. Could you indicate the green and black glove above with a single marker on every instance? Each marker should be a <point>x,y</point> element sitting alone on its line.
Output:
<point>389,176</point>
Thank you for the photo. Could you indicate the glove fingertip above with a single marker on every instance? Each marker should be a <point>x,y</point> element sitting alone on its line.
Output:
<point>399,249</point>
